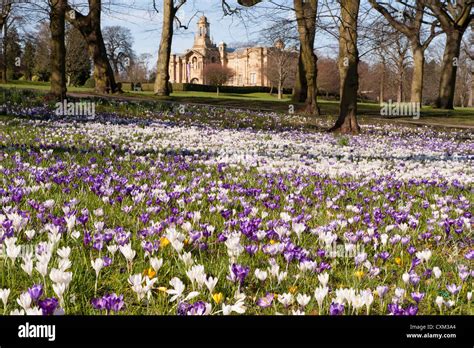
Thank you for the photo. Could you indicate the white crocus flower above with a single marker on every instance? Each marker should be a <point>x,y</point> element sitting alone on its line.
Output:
<point>282,276</point>
<point>60,277</point>
<point>319,294</point>
<point>211,284</point>
<point>367,298</point>
<point>178,289</point>
<point>424,255</point>
<point>24,300</point>
<point>406,278</point>
<point>128,252</point>
<point>187,259</point>
<point>70,222</point>
<point>197,275</point>
<point>13,251</point>
<point>298,228</point>
<point>384,238</point>
<point>112,248</point>
<point>34,311</point>
<point>42,268</point>
<point>298,312</point>
<point>323,278</point>
<point>437,272</point>
<point>59,289</point>
<point>17,312</point>
<point>303,299</point>
<point>30,234</point>
<point>97,265</point>
<point>261,275</point>
<point>64,264</point>
<point>286,299</point>
<point>64,252</point>
<point>4,294</point>
<point>239,307</point>
<point>27,266</point>
<point>156,263</point>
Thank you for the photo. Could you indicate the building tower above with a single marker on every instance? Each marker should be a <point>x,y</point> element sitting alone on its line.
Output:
<point>203,36</point>
<point>223,53</point>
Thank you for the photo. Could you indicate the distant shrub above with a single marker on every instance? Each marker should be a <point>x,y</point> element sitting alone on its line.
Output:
<point>90,83</point>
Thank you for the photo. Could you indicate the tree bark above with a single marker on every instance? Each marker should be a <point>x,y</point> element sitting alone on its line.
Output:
<point>382,85</point>
<point>348,64</point>
<point>5,50</point>
<point>447,83</point>
<point>306,86</point>
<point>400,82</point>
<point>418,73</point>
<point>300,91</point>
<point>90,28</point>
<point>58,49</point>
<point>5,11</point>
<point>161,87</point>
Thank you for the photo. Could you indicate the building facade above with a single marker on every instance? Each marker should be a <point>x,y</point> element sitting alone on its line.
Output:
<point>248,64</point>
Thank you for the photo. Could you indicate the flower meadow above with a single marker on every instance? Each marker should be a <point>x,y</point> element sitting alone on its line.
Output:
<point>110,217</point>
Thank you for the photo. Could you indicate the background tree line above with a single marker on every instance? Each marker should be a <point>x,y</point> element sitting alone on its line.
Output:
<point>406,29</point>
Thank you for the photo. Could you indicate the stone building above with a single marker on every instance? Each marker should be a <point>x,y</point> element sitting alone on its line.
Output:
<point>249,64</point>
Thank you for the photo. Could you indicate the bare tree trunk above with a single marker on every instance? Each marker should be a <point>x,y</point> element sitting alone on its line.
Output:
<point>162,72</point>
<point>306,19</point>
<point>300,91</point>
<point>400,87</point>
<point>5,11</point>
<point>448,72</point>
<point>417,81</point>
<point>5,49</point>
<point>90,28</point>
<point>280,90</point>
<point>382,84</point>
<point>58,49</point>
<point>348,64</point>
<point>471,95</point>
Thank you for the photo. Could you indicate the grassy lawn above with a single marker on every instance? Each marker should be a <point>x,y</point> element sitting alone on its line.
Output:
<point>267,102</point>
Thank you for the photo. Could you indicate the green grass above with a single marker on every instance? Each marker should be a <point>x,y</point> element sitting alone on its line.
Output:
<point>263,101</point>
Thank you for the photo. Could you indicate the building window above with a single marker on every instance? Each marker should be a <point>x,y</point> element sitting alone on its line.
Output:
<point>194,63</point>
<point>253,79</point>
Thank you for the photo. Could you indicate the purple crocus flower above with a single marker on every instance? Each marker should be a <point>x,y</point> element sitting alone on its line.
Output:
<point>109,302</point>
<point>384,255</point>
<point>265,301</point>
<point>239,273</point>
<point>107,261</point>
<point>411,310</point>
<point>183,308</point>
<point>336,309</point>
<point>251,249</point>
<point>48,305</point>
<point>98,303</point>
<point>453,288</point>
<point>470,255</point>
<point>417,296</point>
<point>35,292</point>
<point>114,303</point>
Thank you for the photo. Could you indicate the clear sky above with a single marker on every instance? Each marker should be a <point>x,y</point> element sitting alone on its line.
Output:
<point>145,24</point>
